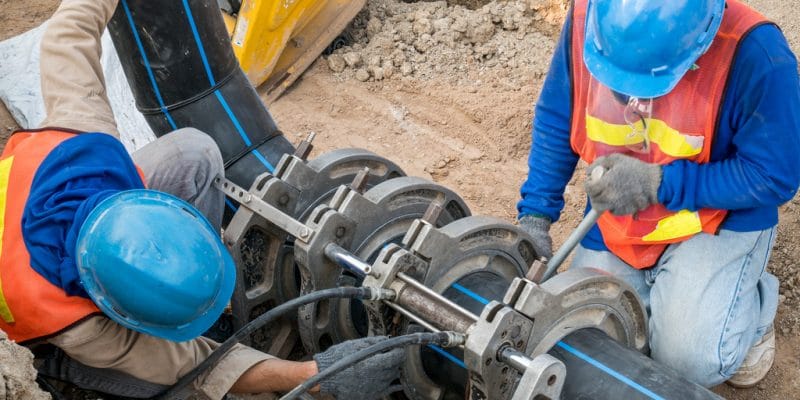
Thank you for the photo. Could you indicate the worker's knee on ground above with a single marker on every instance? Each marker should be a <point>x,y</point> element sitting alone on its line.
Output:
<point>697,356</point>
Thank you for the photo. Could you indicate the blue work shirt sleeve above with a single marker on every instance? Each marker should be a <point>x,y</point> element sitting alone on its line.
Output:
<point>551,161</point>
<point>77,175</point>
<point>761,166</point>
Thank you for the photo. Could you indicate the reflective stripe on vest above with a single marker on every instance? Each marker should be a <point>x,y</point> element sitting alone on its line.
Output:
<point>669,140</point>
<point>682,126</point>
<point>681,224</point>
<point>5,171</point>
<point>32,307</point>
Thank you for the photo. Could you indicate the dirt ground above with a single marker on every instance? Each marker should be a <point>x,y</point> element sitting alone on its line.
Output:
<point>457,107</point>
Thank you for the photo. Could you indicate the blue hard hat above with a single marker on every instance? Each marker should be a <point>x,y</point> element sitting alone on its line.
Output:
<point>642,48</point>
<point>154,264</point>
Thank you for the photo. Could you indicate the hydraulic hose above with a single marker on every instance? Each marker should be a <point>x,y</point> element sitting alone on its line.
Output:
<point>443,339</point>
<point>269,316</point>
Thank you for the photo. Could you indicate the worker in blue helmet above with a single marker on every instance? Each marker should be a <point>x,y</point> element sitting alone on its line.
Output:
<point>115,258</point>
<point>692,111</point>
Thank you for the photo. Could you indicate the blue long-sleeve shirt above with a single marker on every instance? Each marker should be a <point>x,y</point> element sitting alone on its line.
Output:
<point>755,155</point>
<point>76,176</point>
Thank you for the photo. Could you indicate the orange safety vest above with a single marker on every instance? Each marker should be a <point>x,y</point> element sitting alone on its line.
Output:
<point>30,306</point>
<point>682,126</point>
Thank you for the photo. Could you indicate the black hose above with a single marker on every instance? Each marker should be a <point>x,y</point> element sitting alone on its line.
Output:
<point>49,388</point>
<point>263,319</point>
<point>438,338</point>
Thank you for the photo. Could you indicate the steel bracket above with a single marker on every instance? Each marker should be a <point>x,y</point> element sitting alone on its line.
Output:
<point>258,247</point>
<point>543,379</point>
<point>498,327</point>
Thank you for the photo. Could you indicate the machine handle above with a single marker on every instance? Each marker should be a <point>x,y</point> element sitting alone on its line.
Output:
<point>576,236</point>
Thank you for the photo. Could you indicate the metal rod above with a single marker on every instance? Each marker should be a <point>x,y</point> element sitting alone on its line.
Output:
<point>574,238</point>
<point>421,322</point>
<point>516,359</point>
<point>412,317</point>
<point>427,302</point>
<point>444,303</point>
<point>577,235</point>
<point>347,260</point>
<point>264,209</point>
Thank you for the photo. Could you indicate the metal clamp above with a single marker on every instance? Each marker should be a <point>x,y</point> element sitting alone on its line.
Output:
<point>498,328</point>
<point>375,219</point>
<point>578,299</point>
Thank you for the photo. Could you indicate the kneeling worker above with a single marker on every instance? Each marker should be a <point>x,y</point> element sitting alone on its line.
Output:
<point>115,259</point>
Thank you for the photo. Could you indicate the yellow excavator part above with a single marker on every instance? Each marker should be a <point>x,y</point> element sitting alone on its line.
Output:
<point>275,41</point>
<point>230,22</point>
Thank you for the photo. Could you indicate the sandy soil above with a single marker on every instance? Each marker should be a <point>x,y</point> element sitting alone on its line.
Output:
<point>470,130</point>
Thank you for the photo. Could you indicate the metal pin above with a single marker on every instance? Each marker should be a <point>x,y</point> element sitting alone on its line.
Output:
<point>311,137</point>
<point>516,359</point>
<point>432,213</point>
<point>305,147</point>
<point>537,269</point>
<point>347,260</point>
<point>360,180</point>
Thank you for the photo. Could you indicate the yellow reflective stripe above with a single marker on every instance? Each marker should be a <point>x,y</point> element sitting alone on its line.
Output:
<point>669,140</point>
<point>5,171</point>
<point>683,223</point>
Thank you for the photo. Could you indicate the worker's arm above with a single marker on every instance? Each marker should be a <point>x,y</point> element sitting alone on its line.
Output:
<point>275,375</point>
<point>72,80</point>
<point>99,342</point>
<point>762,110</point>
<point>551,162</point>
<point>367,379</point>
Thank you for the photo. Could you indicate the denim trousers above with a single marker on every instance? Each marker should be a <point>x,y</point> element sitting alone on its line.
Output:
<point>709,300</point>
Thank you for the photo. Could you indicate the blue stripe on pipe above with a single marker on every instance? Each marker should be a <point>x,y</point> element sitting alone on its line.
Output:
<point>263,160</point>
<point>197,40</point>
<point>471,294</point>
<point>230,205</point>
<point>597,364</point>
<point>147,65</point>
<point>233,118</point>
<point>241,131</point>
<point>447,355</point>
<point>220,97</point>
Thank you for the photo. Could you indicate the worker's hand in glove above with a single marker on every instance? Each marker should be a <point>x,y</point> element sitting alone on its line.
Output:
<point>626,186</point>
<point>539,229</point>
<point>369,379</point>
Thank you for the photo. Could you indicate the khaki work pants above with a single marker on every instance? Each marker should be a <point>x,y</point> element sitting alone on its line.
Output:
<point>182,163</point>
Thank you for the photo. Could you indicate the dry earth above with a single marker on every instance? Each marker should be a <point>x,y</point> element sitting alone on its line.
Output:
<point>447,92</point>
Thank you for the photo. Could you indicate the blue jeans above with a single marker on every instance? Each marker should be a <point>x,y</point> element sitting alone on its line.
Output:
<point>709,298</point>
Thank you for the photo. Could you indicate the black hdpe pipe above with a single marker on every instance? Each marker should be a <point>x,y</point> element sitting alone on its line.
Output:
<point>598,367</point>
<point>179,63</point>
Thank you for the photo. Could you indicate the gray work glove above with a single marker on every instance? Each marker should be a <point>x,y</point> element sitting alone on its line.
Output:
<point>539,229</point>
<point>369,379</point>
<point>626,187</point>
